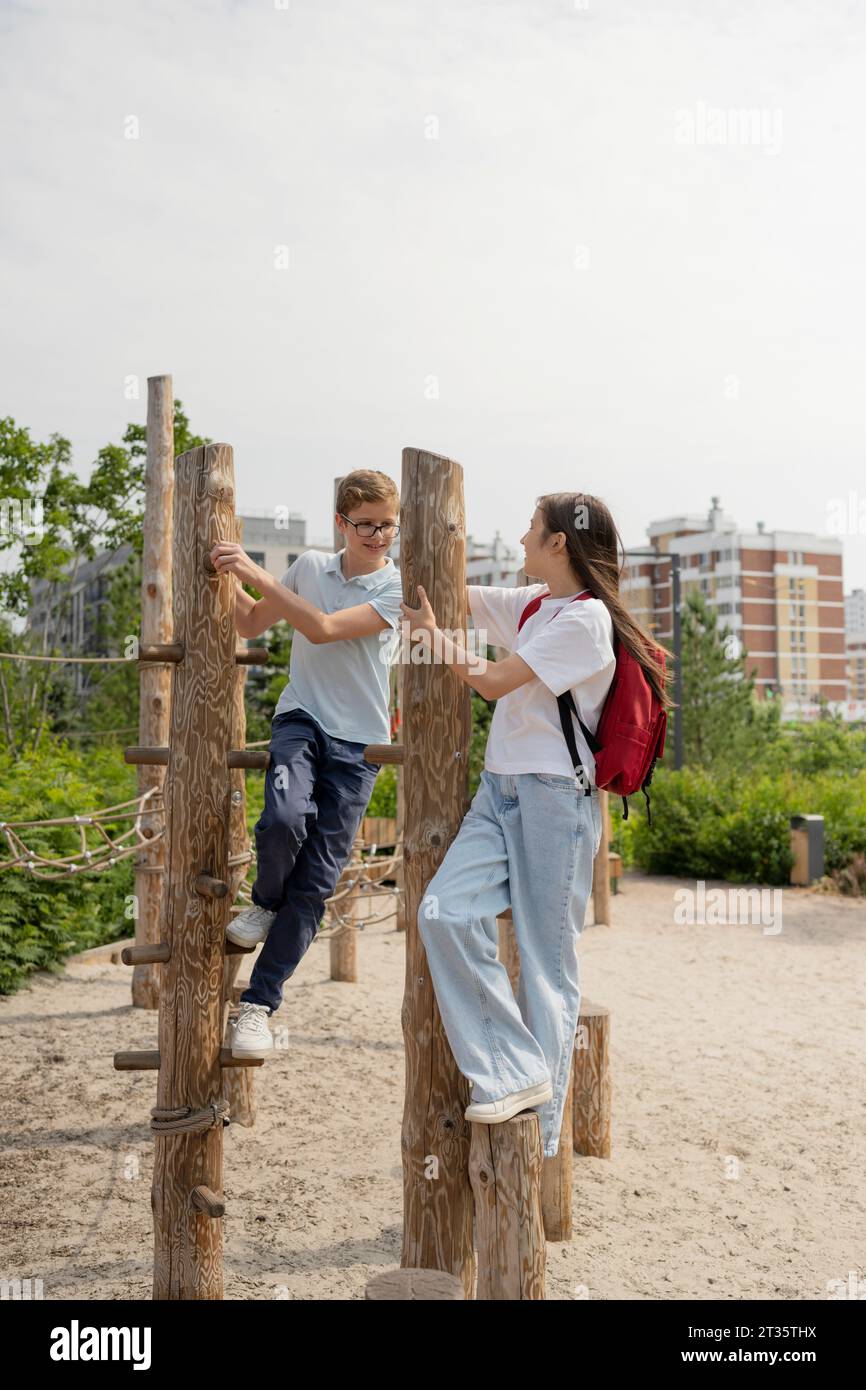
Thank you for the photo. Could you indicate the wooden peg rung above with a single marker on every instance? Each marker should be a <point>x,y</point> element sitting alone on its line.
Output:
<point>210,887</point>
<point>233,949</point>
<point>206,1200</point>
<point>149,1061</point>
<point>227,1060</point>
<point>136,1061</point>
<point>149,954</point>
<point>252,656</point>
<point>160,651</point>
<point>248,758</point>
<point>146,757</point>
<point>384,752</point>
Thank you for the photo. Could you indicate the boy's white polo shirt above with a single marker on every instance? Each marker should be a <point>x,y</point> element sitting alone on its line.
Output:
<point>344,685</point>
<point>574,652</point>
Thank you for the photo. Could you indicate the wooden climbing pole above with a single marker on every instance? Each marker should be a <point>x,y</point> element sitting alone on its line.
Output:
<point>191,1108</point>
<point>189,1113</point>
<point>446,1160</point>
<point>436,723</point>
<point>154,677</point>
<point>237,1081</point>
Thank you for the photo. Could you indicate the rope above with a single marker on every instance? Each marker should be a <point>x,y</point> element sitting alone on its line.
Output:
<point>113,850</point>
<point>66,660</point>
<point>184,1120</point>
<point>94,733</point>
<point>338,921</point>
<point>109,852</point>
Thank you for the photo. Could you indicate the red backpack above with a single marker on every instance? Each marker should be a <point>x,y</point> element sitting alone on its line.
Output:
<point>630,737</point>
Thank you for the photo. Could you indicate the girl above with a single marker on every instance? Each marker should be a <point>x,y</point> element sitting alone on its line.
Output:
<point>533,829</point>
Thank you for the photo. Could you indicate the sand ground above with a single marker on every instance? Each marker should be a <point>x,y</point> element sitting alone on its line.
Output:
<point>737,1169</point>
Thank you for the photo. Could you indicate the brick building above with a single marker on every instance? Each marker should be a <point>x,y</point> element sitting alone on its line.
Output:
<point>855,646</point>
<point>779,592</point>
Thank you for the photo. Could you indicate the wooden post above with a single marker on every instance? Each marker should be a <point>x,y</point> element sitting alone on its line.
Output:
<point>399,876</point>
<point>601,867</point>
<point>339,538</point>
<point>556,1173</point>
<point>187,1240</point>
<point>557,1176</point>
<point>237,1081</point>
<point>505,1166</point>
<point>414,1286</point>
<point>154,682</point>
<point>592,1084</point>
<point>437,1200</point>
<point>343,945</point>
<point>508,952</point>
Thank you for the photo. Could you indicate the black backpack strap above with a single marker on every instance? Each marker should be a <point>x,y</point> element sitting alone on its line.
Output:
<point>646,782</point>
<point>591,739</point>
<point>563,702</point>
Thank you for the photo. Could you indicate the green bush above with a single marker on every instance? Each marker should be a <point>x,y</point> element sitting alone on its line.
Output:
<point>735,825</point>
<point>43,920</point>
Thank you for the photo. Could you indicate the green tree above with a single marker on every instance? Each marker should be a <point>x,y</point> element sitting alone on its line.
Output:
<point>71,521</point>
<point>724,723</point>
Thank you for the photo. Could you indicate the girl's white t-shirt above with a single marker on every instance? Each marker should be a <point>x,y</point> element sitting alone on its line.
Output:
<point>573,652</point>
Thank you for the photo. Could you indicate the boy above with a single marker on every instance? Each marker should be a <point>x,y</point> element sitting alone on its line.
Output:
<point>318,783</point>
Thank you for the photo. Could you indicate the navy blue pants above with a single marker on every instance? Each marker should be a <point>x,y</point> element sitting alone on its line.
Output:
<point>316,792</point>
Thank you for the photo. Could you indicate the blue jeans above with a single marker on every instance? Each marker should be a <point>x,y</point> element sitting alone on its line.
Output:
<point>528,841</point>
<point>317,789</point>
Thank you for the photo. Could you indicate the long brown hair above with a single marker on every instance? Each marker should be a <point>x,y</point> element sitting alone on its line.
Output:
<point>593,545</point>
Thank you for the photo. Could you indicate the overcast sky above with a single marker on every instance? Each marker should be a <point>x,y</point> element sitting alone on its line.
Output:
<point>512,236</point>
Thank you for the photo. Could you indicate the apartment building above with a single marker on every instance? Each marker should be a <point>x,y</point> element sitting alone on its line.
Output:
<point>779,592</point>
<point>855,648</point>
<point>73,619</point>
<point>274,539</point>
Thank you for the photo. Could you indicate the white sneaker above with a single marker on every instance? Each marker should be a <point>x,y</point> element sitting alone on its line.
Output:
<point>251,1036</point>
<point>493,1112</point>
<point>250,926</point>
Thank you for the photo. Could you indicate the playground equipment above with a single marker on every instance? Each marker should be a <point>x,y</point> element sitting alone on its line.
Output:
<point>586,1116</point>
<point>601,867</point>
<point>203,803</point>
<point>357,884</point>
<point>154,677</point>
<point>435,710</point>
<point>519,1196</point>
<point>454,1173</point>
<point>448,1162</point>
<point>197,846</point>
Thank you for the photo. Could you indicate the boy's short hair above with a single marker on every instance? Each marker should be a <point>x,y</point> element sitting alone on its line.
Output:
<point>366,485</point>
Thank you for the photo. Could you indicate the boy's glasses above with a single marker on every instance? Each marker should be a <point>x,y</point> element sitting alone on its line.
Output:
<point>367,529</point>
